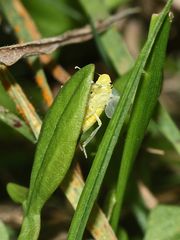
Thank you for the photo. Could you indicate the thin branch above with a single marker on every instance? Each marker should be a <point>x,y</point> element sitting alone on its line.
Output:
<point>11,54</point>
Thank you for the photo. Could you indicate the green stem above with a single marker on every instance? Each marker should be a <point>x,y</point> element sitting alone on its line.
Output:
<point>30,228</point>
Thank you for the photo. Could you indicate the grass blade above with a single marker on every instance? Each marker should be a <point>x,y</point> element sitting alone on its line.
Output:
<point>16,123</point>
<point>167,127</point>
<point>110,137</point>
<point>114,47</point>
<point>4,231</point>
<point>98,224</point>
<point>163,223</point>
<point>25,30</point>
<point>23,105</point>
<point>143,108</point>
<point>110,43</point>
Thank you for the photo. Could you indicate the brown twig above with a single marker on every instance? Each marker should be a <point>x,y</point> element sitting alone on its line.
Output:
<point>11,54</point>
<point>26,30</point>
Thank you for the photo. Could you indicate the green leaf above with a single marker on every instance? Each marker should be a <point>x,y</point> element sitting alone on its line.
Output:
<point>4,232</point>
<point>142,111</point>
<point>5,100</point>
<point>113,46</point>
<point>122,235</point>
<point>16,123</point>
<point>110,43</point>
<point>94,9</point>
<point>161,119</point>
<point>163,224</point>
<point>17,192</point>
<point>25,30</point>
<point>112,4</point>
<point>55,16</point>
<point>167,127</point>
<point>110,137</point>
<point>18,96</point>
<point>56,146</point>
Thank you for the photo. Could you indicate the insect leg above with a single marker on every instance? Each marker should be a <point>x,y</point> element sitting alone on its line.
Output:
<point>92,135</point>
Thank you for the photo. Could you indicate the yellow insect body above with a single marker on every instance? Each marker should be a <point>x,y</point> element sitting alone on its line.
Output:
<point>99,97</point>
<point>100,94</point>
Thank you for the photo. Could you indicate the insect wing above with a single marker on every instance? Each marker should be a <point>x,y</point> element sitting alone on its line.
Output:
<point>113,101</point>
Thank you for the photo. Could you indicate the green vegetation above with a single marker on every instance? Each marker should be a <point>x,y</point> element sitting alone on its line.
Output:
<point>128,186</point>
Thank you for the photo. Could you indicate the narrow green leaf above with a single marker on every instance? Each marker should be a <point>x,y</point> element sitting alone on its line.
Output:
<point>163,224</point>
<point>25,30</point>
<point>161,119</point>
<point>16,123</point>
<point>56,147</point>
<point>17,192</point>
<point>141,215</point>
<point>20,99</point>
<point>144,106</point>
<point>5,100</point>
<point>110,137</point>
<point>95,9</point>
<point>122,235</point>
<point>113,46</point>
<point>112,4</point>
<point>55,16</point>
<point>110,43</point>
<point>97,39</point>
<point>109,203</point>
<point>167,127</point>
<point>4,232</point>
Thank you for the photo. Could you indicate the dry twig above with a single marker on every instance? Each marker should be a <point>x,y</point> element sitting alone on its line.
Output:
<point>11,54</point>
